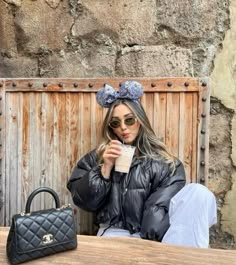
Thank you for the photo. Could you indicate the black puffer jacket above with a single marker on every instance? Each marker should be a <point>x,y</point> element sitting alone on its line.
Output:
<point>140,199</point>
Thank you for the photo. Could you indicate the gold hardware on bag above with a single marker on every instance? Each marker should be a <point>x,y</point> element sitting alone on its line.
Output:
<point>47,239</point>
<point>64,206</point>
<point>25,214</point>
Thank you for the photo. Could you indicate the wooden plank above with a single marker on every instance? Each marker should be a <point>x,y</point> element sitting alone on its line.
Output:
<point>81,125</point>
<point>49,148</point>
<point>143,100</point>
<point>98,121</point>
<point>73,139</point>
<point>62,149</point>
<point>75,128</point>
<point>170,84</point>
<point>3,153</point>
<point>25,148</point>
<point>149,106</point>
<point>182,131</point>
<point>19,206</point>
<point>172,122</point>
<point>86,131</point>
<point>104,112</point>
<point>195,142</point>
<point>159,110</point>
<point>43,143</point>
<point>119,251</point>
<point>56,180</point>
<point>68,167</point>
<point>7,167</point>
<point>59,165</point>
<point>147,101</point>
<point>186,133</point>
<point>35,164</point>
<point>11,156</point>
<point>31,160</point>
<point>93,120</point>
<point>85,118</point>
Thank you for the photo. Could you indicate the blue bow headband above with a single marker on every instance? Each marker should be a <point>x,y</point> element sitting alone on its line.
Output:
<point>128,90</point>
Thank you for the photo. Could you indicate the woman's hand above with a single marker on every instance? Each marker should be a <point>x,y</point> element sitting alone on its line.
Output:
<point>112,151</point>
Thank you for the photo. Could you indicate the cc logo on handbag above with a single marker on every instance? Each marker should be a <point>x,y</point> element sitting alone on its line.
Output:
<point>47,239</point>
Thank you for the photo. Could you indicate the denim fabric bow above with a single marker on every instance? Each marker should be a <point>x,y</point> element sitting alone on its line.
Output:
<point>128,90</point>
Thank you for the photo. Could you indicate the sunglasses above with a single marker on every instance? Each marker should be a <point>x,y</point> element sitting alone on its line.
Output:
<point>128,121</point>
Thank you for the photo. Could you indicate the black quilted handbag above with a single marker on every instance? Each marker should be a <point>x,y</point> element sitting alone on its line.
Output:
<point>37,234</point>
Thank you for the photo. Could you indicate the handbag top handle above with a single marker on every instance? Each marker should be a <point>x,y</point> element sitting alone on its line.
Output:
<point>35,192</point>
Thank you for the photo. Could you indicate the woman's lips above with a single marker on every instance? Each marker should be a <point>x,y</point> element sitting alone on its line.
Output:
<point>126,135</point>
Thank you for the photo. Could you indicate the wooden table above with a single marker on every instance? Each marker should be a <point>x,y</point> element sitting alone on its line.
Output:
<point>127,251</point>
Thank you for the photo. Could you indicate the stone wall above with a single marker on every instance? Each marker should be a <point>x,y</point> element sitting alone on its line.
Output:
<point>136,38</point>
<point>223,86</point>
<point>55,38</point>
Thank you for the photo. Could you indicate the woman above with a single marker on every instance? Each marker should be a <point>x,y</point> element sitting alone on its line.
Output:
<point>151,201</point>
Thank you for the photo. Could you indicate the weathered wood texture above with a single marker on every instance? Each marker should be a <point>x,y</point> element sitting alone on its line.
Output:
<point>119,251</point>
<point>48,124</point>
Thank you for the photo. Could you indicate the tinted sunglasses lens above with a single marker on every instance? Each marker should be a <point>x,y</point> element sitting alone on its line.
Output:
<point>130,121</point>
<point>114,124</point>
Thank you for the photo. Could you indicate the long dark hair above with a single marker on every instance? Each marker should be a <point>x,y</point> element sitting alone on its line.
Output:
<point>147,143</point>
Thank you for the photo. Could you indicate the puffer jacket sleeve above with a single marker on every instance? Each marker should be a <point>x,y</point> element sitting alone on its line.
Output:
<point>88,188</point>
<point>165,185</point>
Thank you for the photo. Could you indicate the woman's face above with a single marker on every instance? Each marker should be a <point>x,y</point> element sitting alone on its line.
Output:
<point>128,127</point>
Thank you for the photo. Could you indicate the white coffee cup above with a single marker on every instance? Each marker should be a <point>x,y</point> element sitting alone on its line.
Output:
<point>123,162</point>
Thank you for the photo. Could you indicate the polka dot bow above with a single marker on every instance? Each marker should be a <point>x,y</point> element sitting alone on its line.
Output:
<point>128,90</point>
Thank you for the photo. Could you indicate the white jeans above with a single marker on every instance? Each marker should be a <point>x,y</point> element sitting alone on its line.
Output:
<point>192,212</point>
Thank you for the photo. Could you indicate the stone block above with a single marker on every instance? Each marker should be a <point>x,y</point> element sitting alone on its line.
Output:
<point>91,63</point>
<point>129,22</point>
<point>18,67</point>
<point>189,19</point>
<point>220,164</point>
<point>154,61</point>
<point>7,30</point>
<point>228,210</point>
<point>42,23</point>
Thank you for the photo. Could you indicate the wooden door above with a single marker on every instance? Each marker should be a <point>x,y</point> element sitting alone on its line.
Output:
<point>46,125</point>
